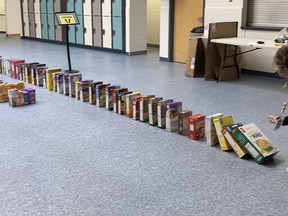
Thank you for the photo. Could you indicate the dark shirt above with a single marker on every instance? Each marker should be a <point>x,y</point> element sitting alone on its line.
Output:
<point>285,121</point>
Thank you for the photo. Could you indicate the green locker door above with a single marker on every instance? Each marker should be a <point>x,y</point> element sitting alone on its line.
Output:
<point>44,26</point>
<point>50,6</point>
<point>51,27</point>
<point>79,7</point>
<point>70,5</point>
<point>72,35</point>
<point>80,31</point>
<point>117,33</point>
<point>116,7</point>
<point>43,7</point>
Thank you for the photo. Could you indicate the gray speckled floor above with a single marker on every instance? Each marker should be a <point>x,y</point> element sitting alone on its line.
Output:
<point>63,157</point>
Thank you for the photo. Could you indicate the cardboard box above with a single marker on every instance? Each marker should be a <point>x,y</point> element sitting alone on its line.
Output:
<point>196,126</point>
<point>72,79</point>
<point>220,123</point>
<point>84,90</point>
<point>173,110</point>
<point>195,62</point>
<point>210,131</point>
<point>227,132</point>
<point>152,110</point>
<point>92,92</point>
<point>136,107</point>
<point>101,94</point>
<point>254,141</point>
<point>183,122</point>
<point>40,73</point>
<point>117,92</point>
<point>109,96</point>
<point>144,113</point>
<point>161,112</point>
<point>60,83</point>
<point>49,77</point>
<point>213,54</point>
<point>122,102</point>
<point>129,103</point>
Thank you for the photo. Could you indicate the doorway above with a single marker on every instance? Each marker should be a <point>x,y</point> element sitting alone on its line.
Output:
<point>188,14</point>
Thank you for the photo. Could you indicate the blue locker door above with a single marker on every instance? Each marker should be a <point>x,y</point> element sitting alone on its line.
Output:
<point>80,31</point>
<point>72,35</point>
<point>117,33</point>
<point>50,6</point>
<point>117,8</point>
<point>79,7</point>
<point>43,6</point>
<point>51,27</point>
<point>44,25</point>
<point>70,5</point>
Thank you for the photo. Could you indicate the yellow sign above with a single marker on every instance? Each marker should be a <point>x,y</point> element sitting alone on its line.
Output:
<point>67,19</point>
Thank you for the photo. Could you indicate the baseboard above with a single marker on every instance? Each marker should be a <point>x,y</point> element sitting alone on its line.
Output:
<point>153,45</point>
<point>137,53</point>
<point>12,35</point>
<point>260,73</point>
<point>163,59</point>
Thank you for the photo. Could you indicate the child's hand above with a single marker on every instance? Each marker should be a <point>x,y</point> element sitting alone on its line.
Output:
<point>273,119</point>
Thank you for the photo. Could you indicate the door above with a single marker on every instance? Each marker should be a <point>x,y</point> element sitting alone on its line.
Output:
<point>51,26</point>
<point>187,15</point>
<point>106,7</point>
<point>96,8</point>
<point>117,33</point>
<point>38,25</point>
<point>117,8</point>
<point>32,25</point>
<point>79,29</point>
<point>88,30</point>
<point>79,7</point>
<point>107,32</point>
<point>26,32</point>
<point>44,25</point>
<point>25,6</point>
<point>97,31</point>
<point>87,7</point>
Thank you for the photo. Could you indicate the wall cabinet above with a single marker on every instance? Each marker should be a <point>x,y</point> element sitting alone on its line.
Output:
<point>100,21</point>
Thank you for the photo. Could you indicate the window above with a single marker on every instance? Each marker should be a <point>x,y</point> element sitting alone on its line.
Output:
<point>270,14</point>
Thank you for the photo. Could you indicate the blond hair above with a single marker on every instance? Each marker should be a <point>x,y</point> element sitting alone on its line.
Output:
<point>280,60</point>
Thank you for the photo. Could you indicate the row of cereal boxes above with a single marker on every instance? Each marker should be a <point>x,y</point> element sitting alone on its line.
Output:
<point>167,114</point>
<point>16,94</point>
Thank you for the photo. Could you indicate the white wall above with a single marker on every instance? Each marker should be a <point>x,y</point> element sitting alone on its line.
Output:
<point>2,16</point>
<point>136,26</point>
<point>13,18</point>
<point>223,10</point>
<point>164,28</point>
<point>153,21</point>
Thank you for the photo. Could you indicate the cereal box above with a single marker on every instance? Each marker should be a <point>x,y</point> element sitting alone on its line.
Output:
<point>49,77</point>
<point>136,107</point>
<point>14,67</point>
<point>28,68</point>
<point>66,84</point>
<point>255,142</point>
<point>101,94</point>
<point>173,110</point>
<point>196,126</point>
<point>34,71</point>
<point>73,78</point>
<point>210,131</point>
<point>183,122</point>
<point>59,82</point>
<point>92,92</point>
<point>55,79</point>
<point>227,132</point>
<point>32,95</point>
<point>115,98</point>
<point>40,73</point>
<point>152,110</point>
<point>13,97</point>
<point>161,112</point>
<point>122,102</point>
<point>144,112</point>
<point>219,124</point>
<point>84,90</point>
<point>109,96</point>
<point>129,103</point>
<point>77,90</point>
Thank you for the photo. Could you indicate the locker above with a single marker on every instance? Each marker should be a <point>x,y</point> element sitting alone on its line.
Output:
<point>26,32</point>
<point>107,32</point>
<point>43,6</point>
<point>51,27</point>
<point>50,6</point>
<point>117,8</point>
<point>88,40</point>
<point>32,25</point>
<point>70,5</point>
<point>25,6</point>
<point>96,7</point>
<point>31,6</point>
<point>97,31</point>
<point>57,6</point>
<point>38,25</point>
<point>106,7</point>
<point>37,7</point>
<point>44,26</point>
<point>87,8</point>
<point>117,33</point>
<point>72,35</point>
<point>79,7</point>
<point>58,31</point>
<point>79,29</point>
